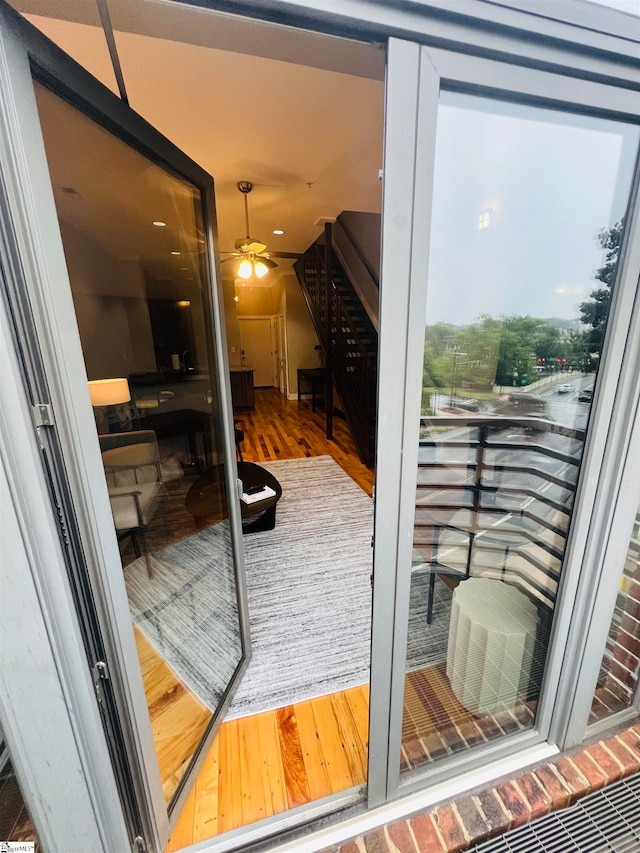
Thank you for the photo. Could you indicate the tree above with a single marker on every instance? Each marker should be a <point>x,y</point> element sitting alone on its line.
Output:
<point>594,311</point>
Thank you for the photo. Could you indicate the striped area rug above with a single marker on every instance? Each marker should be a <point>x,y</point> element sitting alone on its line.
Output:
<point>309,589</point>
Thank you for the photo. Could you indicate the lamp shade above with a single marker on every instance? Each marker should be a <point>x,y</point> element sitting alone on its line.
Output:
<point>109,392</point>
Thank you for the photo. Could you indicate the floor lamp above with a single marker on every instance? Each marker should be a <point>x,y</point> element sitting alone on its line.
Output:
<point>106,393</point>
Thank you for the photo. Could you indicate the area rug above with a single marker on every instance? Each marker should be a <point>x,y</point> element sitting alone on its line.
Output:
<point>309,597</point>
<point>309,589</point>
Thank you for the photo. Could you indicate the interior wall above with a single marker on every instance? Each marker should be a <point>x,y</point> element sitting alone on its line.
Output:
<point>301,334</point>
<point>231,323</point>
<point>111,307</point>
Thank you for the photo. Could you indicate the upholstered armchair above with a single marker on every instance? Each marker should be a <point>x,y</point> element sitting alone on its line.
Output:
<point>134,476</point>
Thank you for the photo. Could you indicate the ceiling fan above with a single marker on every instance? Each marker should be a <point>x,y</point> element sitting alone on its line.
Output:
<point>251,254</point>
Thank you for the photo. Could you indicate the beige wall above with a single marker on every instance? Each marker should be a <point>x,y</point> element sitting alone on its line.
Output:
<point>301,335</point>
<point>111,308</point>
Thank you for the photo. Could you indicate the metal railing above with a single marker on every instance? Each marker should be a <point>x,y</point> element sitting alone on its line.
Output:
<point>494,499</point>
<point>353,343</point>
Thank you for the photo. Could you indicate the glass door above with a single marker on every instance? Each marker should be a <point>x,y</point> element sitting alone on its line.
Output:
<point>522,205</point>
<point>142,422</point>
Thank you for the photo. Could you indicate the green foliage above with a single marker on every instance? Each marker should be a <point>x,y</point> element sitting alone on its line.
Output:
<point>490,351</point>
<point>594,311</point>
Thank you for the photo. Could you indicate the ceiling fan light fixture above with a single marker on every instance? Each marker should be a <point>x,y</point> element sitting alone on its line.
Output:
<point>245,268</point>
<point>260,268</point>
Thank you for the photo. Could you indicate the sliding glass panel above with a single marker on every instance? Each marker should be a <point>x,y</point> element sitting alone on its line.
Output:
<point>528,212</point>
<point>135,250</point>
<point>620,669</point>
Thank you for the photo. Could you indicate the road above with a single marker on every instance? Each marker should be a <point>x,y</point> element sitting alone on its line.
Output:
<point>564,409</point>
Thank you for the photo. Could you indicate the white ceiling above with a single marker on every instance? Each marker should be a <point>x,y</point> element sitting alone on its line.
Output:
<point>303,120</point>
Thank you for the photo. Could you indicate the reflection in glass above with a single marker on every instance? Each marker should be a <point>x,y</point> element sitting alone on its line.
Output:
<point>620,668</point>
<point>528,214</point>
<point>134,244</point>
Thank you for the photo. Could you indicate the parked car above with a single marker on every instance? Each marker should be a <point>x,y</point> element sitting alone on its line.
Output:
<point>586,395</point>
<point>521,404</point>
<point>565,388</point>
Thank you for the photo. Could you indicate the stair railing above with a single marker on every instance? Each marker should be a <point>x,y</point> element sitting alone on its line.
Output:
<point>353,364</point>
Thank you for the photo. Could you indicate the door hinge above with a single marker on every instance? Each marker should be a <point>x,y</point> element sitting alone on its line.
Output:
<point>100,673</point>
<point>43,415</point>
<point>140,844</point>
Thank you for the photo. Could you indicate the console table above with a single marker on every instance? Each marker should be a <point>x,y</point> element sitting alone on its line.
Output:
<point>316,377</point>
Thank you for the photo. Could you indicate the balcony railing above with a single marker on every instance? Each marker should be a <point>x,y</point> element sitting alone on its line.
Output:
<point>494,499</point>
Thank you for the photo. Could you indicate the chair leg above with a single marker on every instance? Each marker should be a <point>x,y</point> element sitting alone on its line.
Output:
<point>432,586</point>
<point>140,548</point>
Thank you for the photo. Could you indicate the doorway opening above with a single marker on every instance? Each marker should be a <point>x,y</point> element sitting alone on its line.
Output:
<point>297,729</point>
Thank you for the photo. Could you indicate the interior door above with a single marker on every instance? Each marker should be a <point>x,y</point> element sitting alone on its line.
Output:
<point>256,340</point>
<point>126,298</point>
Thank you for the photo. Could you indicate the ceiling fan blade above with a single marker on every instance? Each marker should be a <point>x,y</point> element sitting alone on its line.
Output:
<point>250,245</point>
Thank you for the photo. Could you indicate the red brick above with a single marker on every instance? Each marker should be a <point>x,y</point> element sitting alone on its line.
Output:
<point>514,803</point>
<point>554,787</point>
<point>349,847</point>
<point>539,801</point>
<point>629,759</point>
<point>606,762</point>
<point>631,739</point>
<point>629,642</point>
<point>629,625</point>
<point>475,825</point>
<point>401,837</point>
<point>625,658</point>
<point>573,779</point>
<point>450,829</point>
<point>632,608</point>
<point>494,812</point>
<point>622,674</point>
<point>414,751</point>
<point>590,770</point>
<point>426,835</point>
<point>376,842</point>
<point>433,745</point>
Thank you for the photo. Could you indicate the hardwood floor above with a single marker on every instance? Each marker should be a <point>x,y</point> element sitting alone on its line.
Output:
<point>262,765</point>
<point>281,429</point>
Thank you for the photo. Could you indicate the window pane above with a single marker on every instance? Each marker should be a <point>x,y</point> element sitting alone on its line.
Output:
<point>528,214</point>
<point>620,669</point>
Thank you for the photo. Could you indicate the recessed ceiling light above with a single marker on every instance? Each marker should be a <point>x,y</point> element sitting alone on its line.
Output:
<point>279,232</point>
<point>183,303</point>
<point>159,224</point>
<point>176,253</point>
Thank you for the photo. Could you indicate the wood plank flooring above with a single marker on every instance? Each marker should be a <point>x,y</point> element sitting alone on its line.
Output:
<point>262,765</point>
<point>282,429</point>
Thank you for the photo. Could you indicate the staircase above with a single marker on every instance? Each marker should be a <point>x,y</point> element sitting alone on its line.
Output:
<point>348,334</point>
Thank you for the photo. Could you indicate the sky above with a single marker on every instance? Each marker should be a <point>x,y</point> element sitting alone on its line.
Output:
<point>520,194</point>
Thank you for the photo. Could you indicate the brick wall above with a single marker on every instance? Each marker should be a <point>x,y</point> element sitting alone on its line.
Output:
<point>481,814</point>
